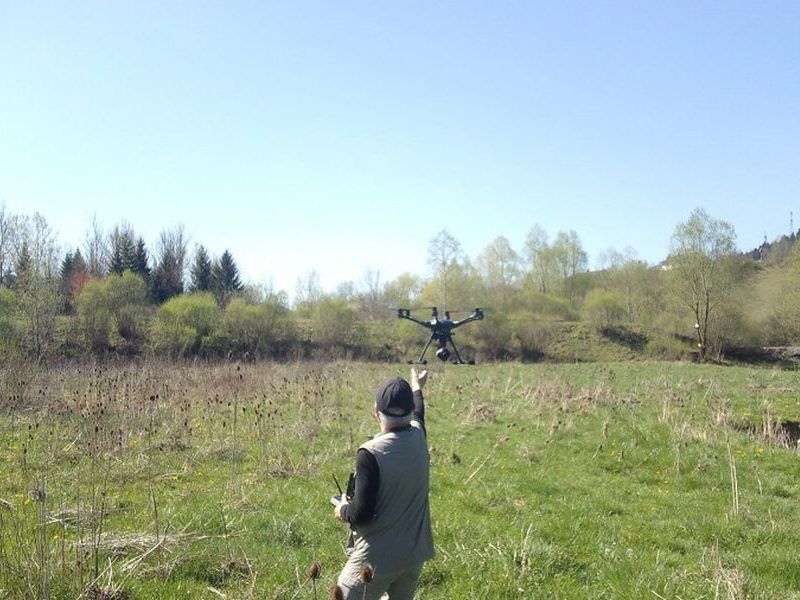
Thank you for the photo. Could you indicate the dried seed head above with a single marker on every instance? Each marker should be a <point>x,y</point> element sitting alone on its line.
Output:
<point>336,593</point>
<point>366,573</point>
<point>314,569</point>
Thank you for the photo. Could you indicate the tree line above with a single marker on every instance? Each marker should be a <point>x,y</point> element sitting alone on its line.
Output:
<point>115,296</point>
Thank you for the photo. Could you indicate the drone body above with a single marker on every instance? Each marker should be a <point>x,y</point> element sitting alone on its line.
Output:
<point>441,333</point>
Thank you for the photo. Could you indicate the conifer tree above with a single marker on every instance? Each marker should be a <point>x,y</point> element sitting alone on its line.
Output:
<point>24,262</point>
<point>67,265</point>
<point>78,264</point>
<point>166,281</point>
<point>116,266</point>
<point>140,264</point>
<point>72,273</point>
<point>201,271</point>
<point>65,278</point>
<point>123,253</point>
<point>225,277</point>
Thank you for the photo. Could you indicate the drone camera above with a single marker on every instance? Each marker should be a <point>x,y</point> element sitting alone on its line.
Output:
<point>443,354</point>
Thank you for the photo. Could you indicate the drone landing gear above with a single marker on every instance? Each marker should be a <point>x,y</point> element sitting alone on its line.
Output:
<point>442,353</point>
<point>421,360</point>
<point>441,333</point>
<point>458,360</point>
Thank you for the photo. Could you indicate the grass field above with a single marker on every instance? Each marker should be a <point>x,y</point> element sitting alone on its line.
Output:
<point>621,480</point>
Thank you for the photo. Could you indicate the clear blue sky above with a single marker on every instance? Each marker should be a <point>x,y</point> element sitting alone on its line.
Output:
<point>342,135</point>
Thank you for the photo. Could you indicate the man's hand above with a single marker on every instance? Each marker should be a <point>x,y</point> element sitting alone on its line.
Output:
<point>338,512</point>
<point>418,379</point>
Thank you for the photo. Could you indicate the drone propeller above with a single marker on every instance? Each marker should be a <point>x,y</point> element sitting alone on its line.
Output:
<point>453,311</point>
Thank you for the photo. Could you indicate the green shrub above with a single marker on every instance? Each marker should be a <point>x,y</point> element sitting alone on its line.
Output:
<point>530,335</point>
<point>94,315</point>
<point>603,308</point>
<point>187,325</point>
<point>391,339</point>
<point>255,329</point>
<point>8,336</point>
<point>667,347</point>
<point>335,330</point>
<point>112,313</point>
<point>495,340</point>
<point>546,305</point>
<point>735,330</point>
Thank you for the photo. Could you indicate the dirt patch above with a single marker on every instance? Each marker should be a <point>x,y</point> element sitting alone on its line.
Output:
<point>480,413</point>
<point>107,593</point>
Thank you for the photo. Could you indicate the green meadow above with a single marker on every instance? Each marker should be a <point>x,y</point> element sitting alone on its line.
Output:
<point>614,480</point>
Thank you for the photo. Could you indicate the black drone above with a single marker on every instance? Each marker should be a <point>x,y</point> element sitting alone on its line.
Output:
<point>441,333</point>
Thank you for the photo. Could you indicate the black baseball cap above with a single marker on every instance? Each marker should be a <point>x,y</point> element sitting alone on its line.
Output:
<point>395,398</point>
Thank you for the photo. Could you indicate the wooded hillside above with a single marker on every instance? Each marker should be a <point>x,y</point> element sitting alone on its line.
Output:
<point>117,296</point>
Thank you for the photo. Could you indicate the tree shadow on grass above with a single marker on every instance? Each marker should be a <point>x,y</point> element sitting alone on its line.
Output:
<point>625,337</point>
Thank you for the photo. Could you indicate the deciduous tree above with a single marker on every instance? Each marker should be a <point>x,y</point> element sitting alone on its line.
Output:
<point>498,265</point>
<point>168,276</point>
<point>96,250</point>
<point>570,259</point>
<point>701,269</point>
<point>444,257</point>
<point>403,291</point>
<point>308,292</point>
<point>539,259</point>
<point>6,234</point>
<point>371,289</point>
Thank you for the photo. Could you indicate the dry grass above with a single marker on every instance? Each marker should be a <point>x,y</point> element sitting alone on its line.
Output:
<point>137,544</point>
<point>151,480</point>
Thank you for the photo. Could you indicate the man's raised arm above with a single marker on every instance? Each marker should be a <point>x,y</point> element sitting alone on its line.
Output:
<point>418,381</point>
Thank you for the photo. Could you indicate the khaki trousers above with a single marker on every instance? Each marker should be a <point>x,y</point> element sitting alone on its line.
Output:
<point>398,586</point>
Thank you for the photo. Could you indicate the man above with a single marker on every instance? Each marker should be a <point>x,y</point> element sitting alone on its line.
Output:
<point>389,514</point>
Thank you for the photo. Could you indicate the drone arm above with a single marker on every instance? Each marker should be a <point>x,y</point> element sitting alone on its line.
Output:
<point>403,314</point>
<point>475,316</point>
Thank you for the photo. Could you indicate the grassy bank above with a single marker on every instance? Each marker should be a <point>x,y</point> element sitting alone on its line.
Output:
<point>620,480</point>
